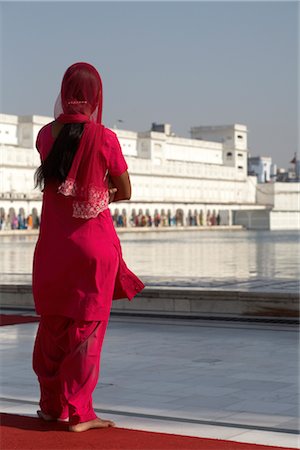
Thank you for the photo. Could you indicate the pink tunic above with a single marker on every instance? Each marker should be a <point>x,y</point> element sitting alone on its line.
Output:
<point>78,268</point>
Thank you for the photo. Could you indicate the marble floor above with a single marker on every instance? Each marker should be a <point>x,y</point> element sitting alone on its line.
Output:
<point>223,380</point>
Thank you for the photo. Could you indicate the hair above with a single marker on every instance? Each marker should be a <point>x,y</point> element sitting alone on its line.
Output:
<point>81,93</point>
<point>59,161</point>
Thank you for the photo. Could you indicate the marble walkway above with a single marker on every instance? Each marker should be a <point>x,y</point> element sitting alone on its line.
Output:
<point>233,381</point>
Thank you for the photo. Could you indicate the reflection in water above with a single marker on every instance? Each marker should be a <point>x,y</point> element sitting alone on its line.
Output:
<point>183,255</point>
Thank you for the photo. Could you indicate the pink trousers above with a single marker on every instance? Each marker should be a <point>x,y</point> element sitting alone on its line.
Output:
<point>66,359</point>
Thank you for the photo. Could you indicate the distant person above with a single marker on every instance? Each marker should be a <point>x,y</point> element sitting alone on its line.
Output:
<point>190,218</point>
<point>115,217</point>
<point>201,217</point>
<point>164,218</point>
<point>15,224</point>
<point>169,215</point>
<point>124,218</point>
<point>156,218</point>
<point>213,218</point>
<point>136,220</point>
<point>29,222</point>
<point>78,267</point>
<point>120,221</point>
<point>208,218</point>
<point>148,218</point>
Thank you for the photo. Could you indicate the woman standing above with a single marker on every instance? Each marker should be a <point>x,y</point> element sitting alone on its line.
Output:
<point>78,267</point>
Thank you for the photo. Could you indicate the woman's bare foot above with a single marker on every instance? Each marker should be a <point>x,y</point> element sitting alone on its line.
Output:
<point>45,417</point>
<point>96,423</point>
<point>49,418</point>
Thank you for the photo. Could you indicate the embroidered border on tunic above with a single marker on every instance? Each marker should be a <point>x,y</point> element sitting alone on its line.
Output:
<point>93,200</point>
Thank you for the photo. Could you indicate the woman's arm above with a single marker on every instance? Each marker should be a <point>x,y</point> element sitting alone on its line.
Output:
<point>122,185</point>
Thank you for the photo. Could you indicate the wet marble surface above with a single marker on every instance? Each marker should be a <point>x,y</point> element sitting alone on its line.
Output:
<point>231,381</point>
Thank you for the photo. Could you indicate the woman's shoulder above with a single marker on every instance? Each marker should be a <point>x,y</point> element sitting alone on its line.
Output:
<point>46,127</point>
<point>44,138</point>
<point>45,131</point>
<point>109,134</point>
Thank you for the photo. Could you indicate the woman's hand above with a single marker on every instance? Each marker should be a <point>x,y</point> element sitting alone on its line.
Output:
<point>123,186</point>
<point>112,192</point>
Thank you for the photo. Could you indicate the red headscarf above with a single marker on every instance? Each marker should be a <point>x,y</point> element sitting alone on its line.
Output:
<point>80,101</point>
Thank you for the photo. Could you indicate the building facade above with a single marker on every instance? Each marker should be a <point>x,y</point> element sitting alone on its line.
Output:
<point>282,208</point>
<point>263,168</point>
<point>200,180</point>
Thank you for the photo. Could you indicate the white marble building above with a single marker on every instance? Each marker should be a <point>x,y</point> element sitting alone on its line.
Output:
<point>263,168</point>
<point>207,172</point>
<point>282,202</point>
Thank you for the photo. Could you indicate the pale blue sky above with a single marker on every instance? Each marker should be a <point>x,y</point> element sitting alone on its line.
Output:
<point>185,63</point>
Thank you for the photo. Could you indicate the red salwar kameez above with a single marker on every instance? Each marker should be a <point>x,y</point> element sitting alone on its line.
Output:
<point>78,269</point>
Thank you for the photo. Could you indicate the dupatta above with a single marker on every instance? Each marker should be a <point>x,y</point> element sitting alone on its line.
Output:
<point>80,101</point>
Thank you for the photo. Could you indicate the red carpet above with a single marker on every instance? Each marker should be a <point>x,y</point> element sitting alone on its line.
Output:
<point>11,319</point>
<point>28,433</point>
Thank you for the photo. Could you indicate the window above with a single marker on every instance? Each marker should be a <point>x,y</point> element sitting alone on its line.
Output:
<point>240,136</point>
<point>240,167</point>
<point>240,155</point>
<point>229,155</point>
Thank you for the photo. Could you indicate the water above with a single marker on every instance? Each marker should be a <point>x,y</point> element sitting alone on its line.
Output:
<point>245,260</point>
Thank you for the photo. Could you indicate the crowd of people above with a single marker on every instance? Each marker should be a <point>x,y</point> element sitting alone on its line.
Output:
<point>140,218</point>
<point>165,219</point>
<point>20,221</point>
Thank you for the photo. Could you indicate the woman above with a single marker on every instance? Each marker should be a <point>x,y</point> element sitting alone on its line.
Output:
<point>78,267</point>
